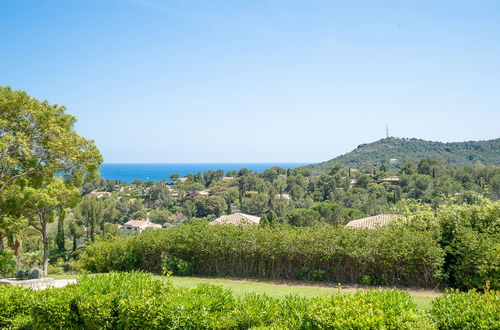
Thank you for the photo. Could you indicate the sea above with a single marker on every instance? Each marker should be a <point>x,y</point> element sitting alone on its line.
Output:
<point>158,172</point>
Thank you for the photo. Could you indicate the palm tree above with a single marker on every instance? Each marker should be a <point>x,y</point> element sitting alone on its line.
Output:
<point>16,236</point>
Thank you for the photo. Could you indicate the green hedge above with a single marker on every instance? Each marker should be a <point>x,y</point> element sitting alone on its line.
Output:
<point>138,301</point>
<point>386,255</point>
<point>467,310</point>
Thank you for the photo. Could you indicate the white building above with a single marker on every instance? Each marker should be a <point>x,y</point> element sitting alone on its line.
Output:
<point>136,226</point>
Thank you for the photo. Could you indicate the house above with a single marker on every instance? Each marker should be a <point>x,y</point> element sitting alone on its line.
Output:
<point>236,219</point>
<point>372,222</point>
<point>227,178</point>
<point>136,226</point>
<point>284,196</point>
<point>205,192</point>
<point>393,161</point>
<point>99,194</point>
<point>392,179</point>
<point>183,179</point>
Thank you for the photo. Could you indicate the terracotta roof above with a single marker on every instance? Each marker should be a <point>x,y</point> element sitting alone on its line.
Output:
<point>236,219</point>
<point>371,222</point>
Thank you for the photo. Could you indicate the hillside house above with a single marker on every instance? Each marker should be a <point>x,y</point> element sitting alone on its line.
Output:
<point>99,194</point>
<point>391,180</point>
<point>283,196</point>
<point>137,226</point>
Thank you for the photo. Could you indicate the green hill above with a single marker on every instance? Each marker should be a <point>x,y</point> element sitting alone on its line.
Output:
<point>401,150</point>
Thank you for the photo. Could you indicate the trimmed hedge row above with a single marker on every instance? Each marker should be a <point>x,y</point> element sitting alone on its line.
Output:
<point>137,301</point>
<point>391,256</point>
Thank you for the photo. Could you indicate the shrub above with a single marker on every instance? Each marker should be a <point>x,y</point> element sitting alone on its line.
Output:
<point>375,309</point>
<point>30,260</point>
<point>467,310</point>
<point>200,308</point>
<point>53,309</point>
<point>94,301</point>
<point>177,265</point>
<point>29,274</point>
<point>7,262</point>
<point>398,256</point>
<point>15,301</point>
<point>55,270</point>
<point>113,255</point>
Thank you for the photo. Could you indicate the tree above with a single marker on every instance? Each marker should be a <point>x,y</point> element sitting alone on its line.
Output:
<point>75,231</point>
<point>269,220</point>
<point>91,212</point>
<point>40,204</point>
<point>255,204</point>
<point>189,208</point>
<point>38,141</point>
<point>303,217</point>
<point>60,231</point>
<point>206,205</point>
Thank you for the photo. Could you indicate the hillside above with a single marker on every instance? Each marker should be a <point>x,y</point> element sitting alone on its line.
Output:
<point>381,151</point>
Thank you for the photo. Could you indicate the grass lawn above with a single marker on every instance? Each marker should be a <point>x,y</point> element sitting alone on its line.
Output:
<point>279,289</point>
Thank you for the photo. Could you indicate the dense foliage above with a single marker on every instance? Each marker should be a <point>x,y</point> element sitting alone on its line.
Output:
<point>456,246</point>
<point>381,151</point>
<point>136,300</point>
<point>467,310</point>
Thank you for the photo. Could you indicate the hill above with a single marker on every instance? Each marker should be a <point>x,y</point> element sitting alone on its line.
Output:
<point>400,150</point>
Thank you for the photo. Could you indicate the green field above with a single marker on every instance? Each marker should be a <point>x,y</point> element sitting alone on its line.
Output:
<point>280,289</point>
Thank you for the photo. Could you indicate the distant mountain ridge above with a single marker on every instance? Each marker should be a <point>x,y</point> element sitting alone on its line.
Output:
<point>395,151</point>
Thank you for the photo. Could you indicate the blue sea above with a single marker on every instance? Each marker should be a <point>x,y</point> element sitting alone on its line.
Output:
<point>157,172</point>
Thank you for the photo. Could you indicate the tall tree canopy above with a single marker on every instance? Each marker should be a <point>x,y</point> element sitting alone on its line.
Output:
<point>38,142</point>
<point>38,139</point>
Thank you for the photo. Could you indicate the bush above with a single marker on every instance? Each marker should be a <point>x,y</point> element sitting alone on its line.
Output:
<point>54,309</point>
<point>55,270</point>
<point>467,310</point>
<point>15,302</point>
<point>7,262</point>
<point>29,274</point>
<point>399,256</point>
<point>94,301</point>
<point>138,301</point>
<point>376,309</point>
<point>30,260</point>
<point>177,265</point>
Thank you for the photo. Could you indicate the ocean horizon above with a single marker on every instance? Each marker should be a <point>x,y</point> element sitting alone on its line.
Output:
<point>158,171</point>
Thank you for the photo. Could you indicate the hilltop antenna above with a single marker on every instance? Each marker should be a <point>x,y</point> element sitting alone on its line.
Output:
<point>387,131</point>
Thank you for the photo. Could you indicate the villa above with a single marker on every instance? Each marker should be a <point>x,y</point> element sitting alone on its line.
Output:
<point>137,226</point>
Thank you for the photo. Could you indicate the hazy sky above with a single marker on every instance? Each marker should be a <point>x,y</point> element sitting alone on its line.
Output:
<point>261,81</point>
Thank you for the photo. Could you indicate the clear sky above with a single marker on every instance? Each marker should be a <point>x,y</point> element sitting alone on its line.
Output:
<point>260,81</point>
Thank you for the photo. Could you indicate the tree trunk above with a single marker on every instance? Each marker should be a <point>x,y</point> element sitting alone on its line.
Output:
<point>74,243</point>
<point>45,241</point>
<point>16,247</point>
<point>1,235</point>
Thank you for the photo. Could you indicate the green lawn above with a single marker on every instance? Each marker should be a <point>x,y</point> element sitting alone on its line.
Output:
<point>280,289</point>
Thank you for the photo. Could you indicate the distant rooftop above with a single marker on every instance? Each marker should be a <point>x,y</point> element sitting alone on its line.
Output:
<point>236,219</point>
<point>372,222</point>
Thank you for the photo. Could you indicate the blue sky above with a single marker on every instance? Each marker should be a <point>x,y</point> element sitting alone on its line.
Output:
<point>260,81</point>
